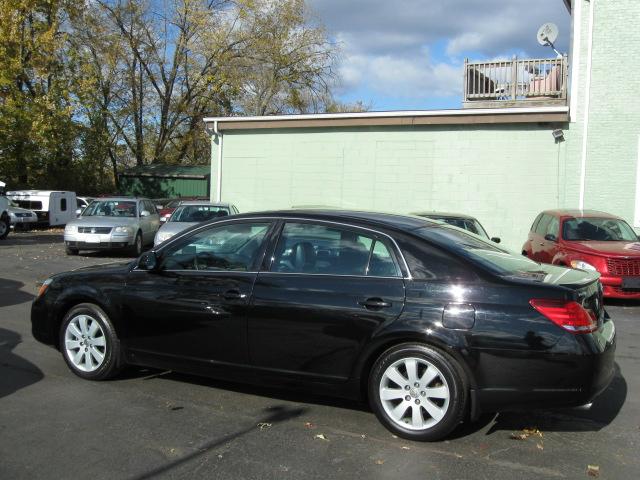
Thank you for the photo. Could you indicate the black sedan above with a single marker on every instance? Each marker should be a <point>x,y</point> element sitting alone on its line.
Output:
<point>430,324</point>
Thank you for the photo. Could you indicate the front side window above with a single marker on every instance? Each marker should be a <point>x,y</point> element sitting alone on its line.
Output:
<point>321,249</point>
<point>598,229</point>
<point>111,208</point>
<point>231,247</point>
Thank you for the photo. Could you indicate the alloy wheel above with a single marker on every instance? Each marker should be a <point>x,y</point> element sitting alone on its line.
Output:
<point>414,393</point>
<point>85,343</point>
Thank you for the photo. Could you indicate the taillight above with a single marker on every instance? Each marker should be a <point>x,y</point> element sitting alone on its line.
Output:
<point>571,316</point>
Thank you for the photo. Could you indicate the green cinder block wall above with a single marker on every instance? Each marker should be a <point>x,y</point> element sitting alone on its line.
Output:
<point>487,171</point>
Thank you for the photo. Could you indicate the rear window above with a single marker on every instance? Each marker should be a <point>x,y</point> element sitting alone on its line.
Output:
<point>498,260</point>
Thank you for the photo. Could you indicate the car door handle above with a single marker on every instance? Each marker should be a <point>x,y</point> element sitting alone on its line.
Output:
<point>234,295</point>
<point>375,304</point>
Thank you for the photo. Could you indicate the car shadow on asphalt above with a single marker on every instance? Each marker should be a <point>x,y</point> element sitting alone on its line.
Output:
<point>31,238</point>
<point>11,293</point>
<point>289,393</point>
<point>603,411</point>
<point>15,372</point>
<point>270,416</point>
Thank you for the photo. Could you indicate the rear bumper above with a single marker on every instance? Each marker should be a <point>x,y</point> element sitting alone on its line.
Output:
<point>570,380</point>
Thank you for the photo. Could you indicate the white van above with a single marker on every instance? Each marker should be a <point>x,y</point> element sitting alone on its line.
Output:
<point>52,207</point>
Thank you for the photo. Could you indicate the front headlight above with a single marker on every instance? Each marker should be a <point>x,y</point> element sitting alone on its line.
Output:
<point>162,236</point>
<point>582,265</point>
<point>123,229</point>
<point>70,229</point>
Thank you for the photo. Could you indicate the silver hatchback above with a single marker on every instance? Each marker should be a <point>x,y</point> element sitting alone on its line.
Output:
<point>113,223</point>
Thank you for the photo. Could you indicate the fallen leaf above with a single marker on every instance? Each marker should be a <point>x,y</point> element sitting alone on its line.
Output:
<point>309,425</point>
<point>263,426</point>
<point>404,447</point>
<point>363,436</point>
<point>320,436</point>
<point>379,462</point>
<point>540,446</point>
<point>593,470</point>
<point>518,436</point>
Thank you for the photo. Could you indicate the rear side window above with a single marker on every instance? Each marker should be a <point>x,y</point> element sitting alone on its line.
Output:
<point>63,204</point>
<point>427,262</point>
<point>535,223</point>
<point>320,249</point>
<point>553,228</point>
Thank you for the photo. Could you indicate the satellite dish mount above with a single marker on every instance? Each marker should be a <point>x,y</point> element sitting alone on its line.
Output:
<point>547,35</point>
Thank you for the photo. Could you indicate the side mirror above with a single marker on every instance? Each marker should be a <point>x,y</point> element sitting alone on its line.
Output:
<point>145,213</point>
<point>495,239</point>
<point>78,212</point>
<point>164,219</point>
<point>148,261</point>
<point>550,237</point>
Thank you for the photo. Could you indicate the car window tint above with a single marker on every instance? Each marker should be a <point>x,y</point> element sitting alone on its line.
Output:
<point>382,263</point>
<point>541,228</point>
<point>233,247</point>
<point>321,249</point>
<point>427,262</point>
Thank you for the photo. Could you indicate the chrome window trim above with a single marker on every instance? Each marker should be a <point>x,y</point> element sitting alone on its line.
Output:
<point>408,276</point>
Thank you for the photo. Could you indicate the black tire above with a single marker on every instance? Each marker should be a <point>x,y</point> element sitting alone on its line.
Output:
<point>112,361</point>
<point>5,227</point>
<point>71,251</point>
<point>136,249</point>
<point>451,377</point>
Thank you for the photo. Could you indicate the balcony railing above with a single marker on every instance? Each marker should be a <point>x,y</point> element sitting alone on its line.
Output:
<point>514,83</point>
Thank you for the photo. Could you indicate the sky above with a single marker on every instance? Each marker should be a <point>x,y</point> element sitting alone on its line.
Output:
<point>408,54</point>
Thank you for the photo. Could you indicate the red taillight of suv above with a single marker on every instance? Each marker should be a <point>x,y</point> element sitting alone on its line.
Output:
<point>571,316</point>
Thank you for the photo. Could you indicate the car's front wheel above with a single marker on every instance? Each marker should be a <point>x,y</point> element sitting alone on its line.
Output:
<point>89,343</point>
<point>136,248</point>
<point>417,392</point>
<point>4,227</point>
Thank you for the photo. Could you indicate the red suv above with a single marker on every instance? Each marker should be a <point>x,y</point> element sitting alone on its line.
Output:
<point>589,240</point>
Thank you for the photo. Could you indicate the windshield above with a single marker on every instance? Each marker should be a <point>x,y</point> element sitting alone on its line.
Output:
<point>598,229</point>
<point>500,261</point>
<point>198,213</point>
<point>110,208</point>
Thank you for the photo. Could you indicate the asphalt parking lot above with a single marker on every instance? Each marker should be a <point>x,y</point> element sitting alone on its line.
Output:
<point>154,424</point>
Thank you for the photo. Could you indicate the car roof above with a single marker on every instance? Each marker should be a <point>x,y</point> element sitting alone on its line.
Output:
<point>388,220</point>
<point>579,213</point>
<point>444,215</point>
<point>205,203</point>
<point>119,199</point>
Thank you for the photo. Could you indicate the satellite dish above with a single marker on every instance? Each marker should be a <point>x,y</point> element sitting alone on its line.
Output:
<point>548,34</point>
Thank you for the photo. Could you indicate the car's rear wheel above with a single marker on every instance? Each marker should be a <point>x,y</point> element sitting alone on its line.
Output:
<point>417,392</point>
<point>71,251</point>
<point>89,343</point>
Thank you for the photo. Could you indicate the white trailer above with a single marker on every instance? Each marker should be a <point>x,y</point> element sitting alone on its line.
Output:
<point>52,207</point>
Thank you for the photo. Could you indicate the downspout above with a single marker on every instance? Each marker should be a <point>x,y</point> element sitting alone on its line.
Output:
<point>587,101</point>
<point>219,162</point>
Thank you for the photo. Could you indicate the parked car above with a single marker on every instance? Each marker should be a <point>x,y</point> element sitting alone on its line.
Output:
<point>21,217</point>
<point>466,222</point>
<point>5,220</point>
<point>591,241</point>
<point>53,208</point>
<point>189,214</point>
<point>171,205</point>
<point>113,223</point>
<point>431,324</point>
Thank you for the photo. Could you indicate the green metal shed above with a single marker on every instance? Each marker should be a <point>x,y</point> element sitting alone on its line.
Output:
<point>166,181</point>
